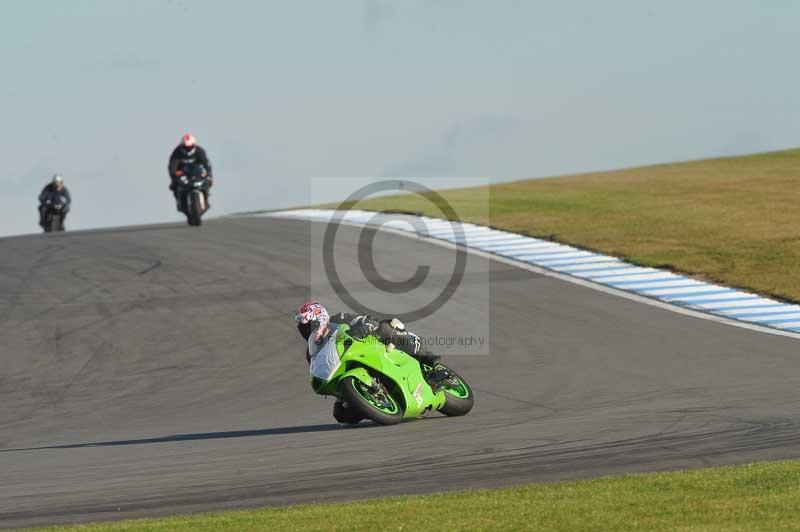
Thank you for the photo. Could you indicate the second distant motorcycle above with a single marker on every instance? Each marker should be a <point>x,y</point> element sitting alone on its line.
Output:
<point>192,185</point>
<point>190,178</point>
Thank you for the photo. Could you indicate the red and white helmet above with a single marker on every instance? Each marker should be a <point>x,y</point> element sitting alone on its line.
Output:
<point>189,141</point>
<point>314,314</point>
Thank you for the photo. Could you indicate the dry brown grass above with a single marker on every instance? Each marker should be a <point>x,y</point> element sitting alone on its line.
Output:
<point>733,220</point>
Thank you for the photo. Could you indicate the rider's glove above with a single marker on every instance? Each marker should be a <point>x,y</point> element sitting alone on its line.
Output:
<point>361,327</point>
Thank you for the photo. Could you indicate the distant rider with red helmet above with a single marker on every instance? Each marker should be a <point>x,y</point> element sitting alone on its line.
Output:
<point>186,153</point>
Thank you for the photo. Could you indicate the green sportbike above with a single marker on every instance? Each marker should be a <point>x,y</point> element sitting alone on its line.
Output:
<point>382,384</point>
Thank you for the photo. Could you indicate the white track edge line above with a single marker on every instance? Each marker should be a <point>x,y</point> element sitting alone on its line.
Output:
<point>563,277</point>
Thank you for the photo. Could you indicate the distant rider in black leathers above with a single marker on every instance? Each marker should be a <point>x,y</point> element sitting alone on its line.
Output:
<point>188,152</point>
<point>54,188</point>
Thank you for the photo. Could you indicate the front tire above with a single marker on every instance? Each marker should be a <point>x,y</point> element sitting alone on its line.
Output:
<point>194,210</point>
<point>54,223</point>
<point>377,405</point>
<point>460,398</point>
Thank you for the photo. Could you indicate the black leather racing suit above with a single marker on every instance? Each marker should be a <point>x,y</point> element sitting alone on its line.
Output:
<point>48,193</point>
<point>181,157</point>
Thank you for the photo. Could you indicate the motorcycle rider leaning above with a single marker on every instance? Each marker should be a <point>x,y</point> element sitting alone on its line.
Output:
<point>188,152</point>
<point>54,188</point>
<point>313,320</point>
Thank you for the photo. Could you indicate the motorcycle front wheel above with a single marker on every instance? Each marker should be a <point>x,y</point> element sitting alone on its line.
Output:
<point>195,215</point>
<point>53,223</point>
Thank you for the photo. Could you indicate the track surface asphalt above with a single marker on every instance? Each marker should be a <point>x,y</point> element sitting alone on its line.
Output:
<point>156,370</point>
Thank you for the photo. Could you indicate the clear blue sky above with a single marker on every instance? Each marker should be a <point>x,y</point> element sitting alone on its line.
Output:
<point>101,90</point>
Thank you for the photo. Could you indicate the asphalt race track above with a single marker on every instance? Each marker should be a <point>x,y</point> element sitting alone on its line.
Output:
<point>154,370</point>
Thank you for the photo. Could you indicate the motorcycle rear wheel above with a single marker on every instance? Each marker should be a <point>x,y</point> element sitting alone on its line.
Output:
<point>377,405</point>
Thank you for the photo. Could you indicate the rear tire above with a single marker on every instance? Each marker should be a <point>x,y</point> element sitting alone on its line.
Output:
<point>460,398</point>
<point>381,408</point>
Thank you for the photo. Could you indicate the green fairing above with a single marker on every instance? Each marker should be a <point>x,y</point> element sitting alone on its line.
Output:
<point>361,357</point>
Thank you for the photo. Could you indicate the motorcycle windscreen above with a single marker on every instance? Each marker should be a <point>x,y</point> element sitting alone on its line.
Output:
<point>325,363</point>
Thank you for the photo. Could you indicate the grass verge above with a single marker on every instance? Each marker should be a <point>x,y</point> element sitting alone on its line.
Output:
<point>734,220</point>
<point>764,496</point>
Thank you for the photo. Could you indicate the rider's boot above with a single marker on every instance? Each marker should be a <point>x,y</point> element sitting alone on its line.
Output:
<point>433,376</point>
<point>429,359</point>
<point>344,414</point>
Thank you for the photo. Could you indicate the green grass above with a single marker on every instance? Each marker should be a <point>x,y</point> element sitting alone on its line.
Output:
<point>753,497</point>
<point>734,220</point>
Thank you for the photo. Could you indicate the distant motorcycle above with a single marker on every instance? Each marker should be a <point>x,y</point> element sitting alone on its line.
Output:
<point>55,207</point>
<point>192,186</point>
